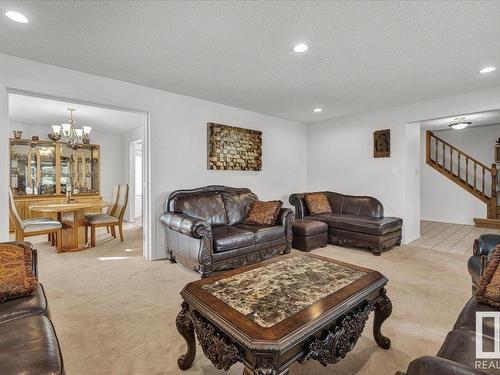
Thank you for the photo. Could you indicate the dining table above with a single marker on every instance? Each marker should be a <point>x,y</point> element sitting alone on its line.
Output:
<point>72,217</point>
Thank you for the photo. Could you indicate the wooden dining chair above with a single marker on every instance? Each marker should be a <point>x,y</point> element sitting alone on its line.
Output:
<point>112,204</point>
<point>115,219</point>
<point>35,226</point>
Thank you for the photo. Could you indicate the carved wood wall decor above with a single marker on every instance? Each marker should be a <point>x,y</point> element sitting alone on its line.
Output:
<point>382,143</point>
<point>233,148</point>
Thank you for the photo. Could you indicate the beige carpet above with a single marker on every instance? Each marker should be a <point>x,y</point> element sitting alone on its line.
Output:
<point>115,312</point>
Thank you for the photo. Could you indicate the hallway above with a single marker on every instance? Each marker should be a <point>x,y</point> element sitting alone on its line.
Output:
<point>448,237</point>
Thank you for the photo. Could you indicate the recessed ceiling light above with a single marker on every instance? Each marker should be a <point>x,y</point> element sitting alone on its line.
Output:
<point>317,110</point>
<point>16,16</point>
<point>487,69</point>
<point>300,48</point>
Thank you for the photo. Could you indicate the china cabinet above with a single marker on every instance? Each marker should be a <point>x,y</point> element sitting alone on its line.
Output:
<point>41,172</point>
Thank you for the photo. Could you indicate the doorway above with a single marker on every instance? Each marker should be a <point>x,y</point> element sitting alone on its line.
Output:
<point>34,113</point>
<point>136,179</point>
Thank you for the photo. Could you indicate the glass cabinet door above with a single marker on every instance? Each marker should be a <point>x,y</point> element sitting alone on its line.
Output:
<point>47,168</point>
<point>32,167</point>
<point>79,168</point>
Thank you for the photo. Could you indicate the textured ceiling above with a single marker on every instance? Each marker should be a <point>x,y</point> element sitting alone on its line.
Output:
<point>41,111</point>
<point>363,55</point>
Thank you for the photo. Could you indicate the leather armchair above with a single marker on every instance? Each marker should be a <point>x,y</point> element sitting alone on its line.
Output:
<point>28,341</point>
<point>483,250</point>
<point>204,229</point>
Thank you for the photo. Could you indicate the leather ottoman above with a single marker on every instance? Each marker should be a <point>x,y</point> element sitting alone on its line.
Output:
<point>309,234</point>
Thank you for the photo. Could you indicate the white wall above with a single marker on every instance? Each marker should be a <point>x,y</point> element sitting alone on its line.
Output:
<point>111,153</point>
<point>128,168</point>
<point>443,200</point>
<point>341,152</point>
<point>177,136</point>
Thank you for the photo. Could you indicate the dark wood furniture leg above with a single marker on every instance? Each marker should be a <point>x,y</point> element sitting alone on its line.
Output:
<point>383,309</point>
<point>186,329</point>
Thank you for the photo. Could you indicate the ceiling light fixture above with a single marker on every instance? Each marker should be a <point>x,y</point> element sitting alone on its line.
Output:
<point>460,123</point>
<point>73,135</point>
<point>488,69</point>
<point>16,16</point>
<point>300,48</point>
<point>317,110</point>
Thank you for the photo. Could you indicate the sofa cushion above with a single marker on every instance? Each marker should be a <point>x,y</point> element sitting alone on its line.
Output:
<point>264,233</point>
<point>489,285</point>
<point>237,205</point>
<point>24,306</point>
<point>318,203</point>
<point>467,318</point>
<point>16,272</point>
<point>29,346</point>
<point>263,213</point>
<point>205,205</point>
<point>229,238</point>
<point>460,346</point>
<point>377,226</point>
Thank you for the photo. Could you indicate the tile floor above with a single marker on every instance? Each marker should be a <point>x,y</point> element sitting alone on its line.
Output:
<point>450,238</point>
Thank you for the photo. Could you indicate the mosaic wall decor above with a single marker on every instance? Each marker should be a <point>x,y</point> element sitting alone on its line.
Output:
<point>234,149</point>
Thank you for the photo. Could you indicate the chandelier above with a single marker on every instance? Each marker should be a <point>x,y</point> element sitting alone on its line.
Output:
<point>74,136</point>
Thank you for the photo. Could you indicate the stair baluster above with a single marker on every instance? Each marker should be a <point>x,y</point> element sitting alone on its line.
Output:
<point>481,192</point>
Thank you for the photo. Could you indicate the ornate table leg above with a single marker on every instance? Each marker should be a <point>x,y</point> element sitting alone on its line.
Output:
<point>383,309</point>
<point>265,366</point>
<point>186,329</point>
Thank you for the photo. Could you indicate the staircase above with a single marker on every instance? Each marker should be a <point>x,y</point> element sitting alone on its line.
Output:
<point>468,173</point>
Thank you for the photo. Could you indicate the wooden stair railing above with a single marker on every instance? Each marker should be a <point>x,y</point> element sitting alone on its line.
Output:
<point>468,173</point>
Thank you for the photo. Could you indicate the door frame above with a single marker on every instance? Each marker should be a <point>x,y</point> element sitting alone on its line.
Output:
<point>147,239</point>
<point>132,171</point>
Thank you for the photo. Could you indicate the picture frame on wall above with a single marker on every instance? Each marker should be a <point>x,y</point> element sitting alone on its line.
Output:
<point>231,148</point>
<point>382,143</point>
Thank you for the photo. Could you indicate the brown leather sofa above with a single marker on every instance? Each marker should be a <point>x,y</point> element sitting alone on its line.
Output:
<point>204,230</point>
<point>355,221</point>
<point>28,341</point>
<point>457,355</point>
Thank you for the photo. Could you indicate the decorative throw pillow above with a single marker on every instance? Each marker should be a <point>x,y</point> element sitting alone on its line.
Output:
<point>318,203</point>
<point>16,275</point>
<point>489,285</point>
<point>263,213</point>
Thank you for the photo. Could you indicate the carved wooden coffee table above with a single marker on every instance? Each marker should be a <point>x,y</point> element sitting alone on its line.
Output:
<point>286,309</point>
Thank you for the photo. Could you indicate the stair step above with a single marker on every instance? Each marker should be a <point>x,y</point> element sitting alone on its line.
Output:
<point>487,223</point>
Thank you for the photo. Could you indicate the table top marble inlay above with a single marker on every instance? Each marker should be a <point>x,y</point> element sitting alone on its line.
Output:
<point>270,294</point>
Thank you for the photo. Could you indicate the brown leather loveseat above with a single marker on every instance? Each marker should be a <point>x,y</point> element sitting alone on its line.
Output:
<point>204,230</point>
<point>355,221</point>
<point>28,341</point>
<point>457,355</point>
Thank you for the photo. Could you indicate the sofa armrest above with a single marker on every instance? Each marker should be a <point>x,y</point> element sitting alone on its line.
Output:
<point>429,365</point>
<point>297,201</point>
<point>29,246</point>
<point>188,225</point>
<point>285,217</point>
<point>486,243</point>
